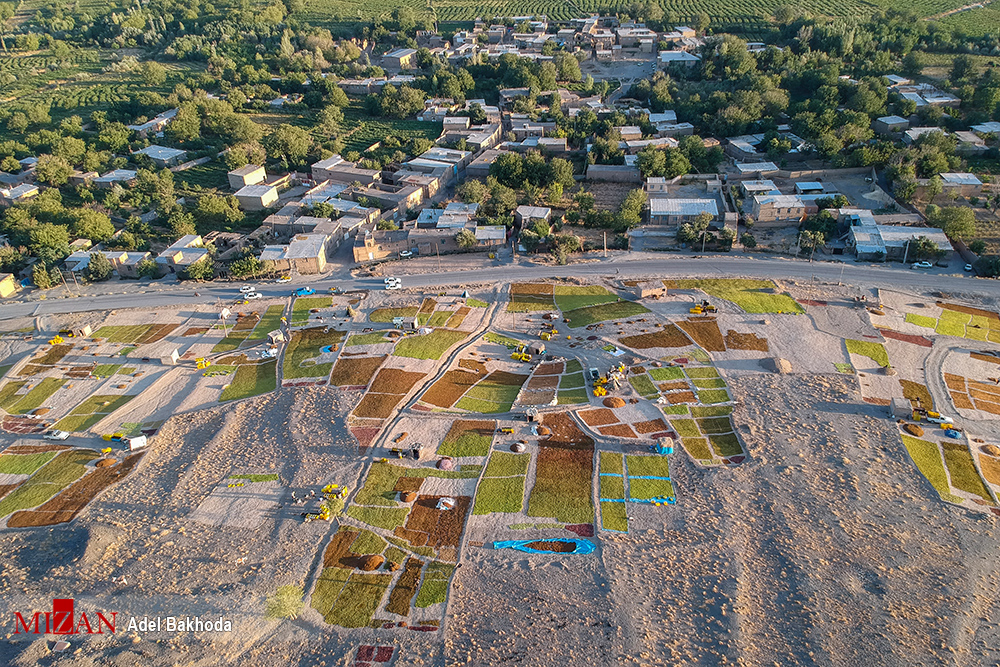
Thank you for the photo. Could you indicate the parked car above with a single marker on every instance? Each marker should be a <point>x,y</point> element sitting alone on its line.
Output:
<point>56,435</point>
<point>935,418</point>
<point>405,254</point>
<point>284,279</point>
<point>247,288</point>
<point>304,291</point>
<point>968,267</point>
<point>254,295</point>
<point>394,283</point>
<point>922,265</point>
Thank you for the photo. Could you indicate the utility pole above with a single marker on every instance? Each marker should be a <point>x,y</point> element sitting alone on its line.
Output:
<point>605,244</point>
<point>906,251</point>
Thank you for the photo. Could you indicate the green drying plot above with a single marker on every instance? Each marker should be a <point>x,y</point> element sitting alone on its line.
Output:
<point>956,317</point>
<point>123,333</point>
<point>499,494</point>
<point>4,369</point>
<point>874,351</point>
<point>573,381</point>
<point>946,328</point>
<point>105,370</point>
<point>428,346</point>
<point>716,425</point>
<point>697,448</point>
<point>572,397</point>
<point>374,338</point>
<point>674,409</point>
<point>302,306</point>
<point>434,588</point>
<point>846,369</point>
<point>358,600</point>
<point>258,477</point>
<point>962,470</point>
<point>368,542</point>
<point>927,457</point>
<point>612,487</point>
<point>611,462</point>
<point>571,297</point>
<point>252,380</point>
<point>8,394</point>
<point>476,303</point>
<point>439,318</point>
<point>269,321</point>
<point>504,394</point>
<point>395,555</point>
<point>328,586</point>
<point>505,464</point>
<point>667,373</point>
<point>647,489</point>
<point>700,411</point>
<point>620,310</point>
<point>563,485</point>
<point>702,372</point>
<point>304,347</point>
<point>921,320</point>
<point>125,351</point>
<point>643,385</point>
<point>386,315</point>
<point>511,343</point>
<point>37,396</point>
<point>710,396</point>
<point>481,407</point>
<point>753,296</point>
<point>647,466</point>
<point>67,467</point>
<point>24,464</point>
<point>467,438</point>
<point>573,366</point>
<point>614,517</point>
<point>713,383</point>
<point>686,428</point>
<point>726,444</point>
<point>389,518</point>
<point>231,342</point>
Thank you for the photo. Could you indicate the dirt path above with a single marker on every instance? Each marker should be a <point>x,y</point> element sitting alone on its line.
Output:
<point>977,5</point>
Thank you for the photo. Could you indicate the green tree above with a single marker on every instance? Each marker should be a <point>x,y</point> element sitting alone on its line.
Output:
<point>542,228</point>
<point>49,243</point>
<point>186,125</point>
<point>181,224</point>
<point>147,268</point>
<point>958,222</point>
<point>245,267</point>
<point>466,239</point>
<point>153,73</point>
<point>93,225</point>
<point>925,248</point>
<point>115,136</point>
<point>99,268</point>
<point>561,171</point>
<point>218,210</point>
<point>508,169</point>
<point>472,191</point>
<point>962,67</point>
<point>53,170</point>
<point>40,276</point>
<point>651,162</point>
<point>330,119</point>
<point>978,246</point>
<point>386,226</point>
<point>934,187</point>
<point>203,270</point>
<point>288,143</point>
<point>748,240</point>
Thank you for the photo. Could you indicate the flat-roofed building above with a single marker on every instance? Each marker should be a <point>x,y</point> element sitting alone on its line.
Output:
<point>163,156</point>
<point>257,197</point>
<point>251,174</point>
<point>672,212</point>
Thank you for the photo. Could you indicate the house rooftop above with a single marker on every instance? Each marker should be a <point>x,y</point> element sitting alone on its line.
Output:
<point>245,171</point>
<point>258,190</point>
<point>960,179</point>
<point>685,207</point>
<point>161,152</point>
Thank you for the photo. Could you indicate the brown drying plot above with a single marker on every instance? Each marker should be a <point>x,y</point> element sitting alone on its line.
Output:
<point>455,321</point>
<point>405,588</point>
<point>991,469</point>
<point>355,372</point>
<point>404,484</point>
<point>506,379</point>
<point>427,306</point>
<point>531,288</point>
<point>985,388</point>
<point>988,358</point>
<point>651,426</point>
<point>705,332</point>
<point>745,341</point>
<point>377,406</point>
<point>245,323</point>
<point>874,400</point>
<point>988,314</point>
<point>617,430</point>
<point>428,526</point>
<point>195,331</point>
<point>565,432</point>
<point>449,388</point>
<point>34,449</point>
<point>673,386</point>
<point>598,417</point>
<point>962,401</point>
<point>394,381</point>
<point>537,397</point>
<point>668,336</point>
<point>53,355</point>
<point>7,488</point>
<point>637,370</point>
<point>71,500</point>
<point>338,552</point>
<point>917,394</point>
<point>955,382</point>
<point>550,368</point>
<point>544,382</point>
<point>472,365</point>
<point>156,333</point>
<point>986,406</point>
<point>681,397</point>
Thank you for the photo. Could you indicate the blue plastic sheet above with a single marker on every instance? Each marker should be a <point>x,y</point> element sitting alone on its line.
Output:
<point>582,546</point>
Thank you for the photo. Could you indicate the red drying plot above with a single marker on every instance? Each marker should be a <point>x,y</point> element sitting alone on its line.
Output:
<point>394,381</point>
<point>427,306</point>
<point>668,336</point>
<point>365,434</point>
<point>598,417</point>
<point>7,488</point>
<point>428,526</point>
<point>672,386</point>
<point>907,338</point>
<point>195,331</point>
<point>355,372</point>
<point>705,332</point>
<point>405,588</point>
<point>681,397</point>
<point>70,501</point>
<point>338,553</point>
<point>550,368</point>
<point>885,402</point>
<point>811,302</point>
<point>449,388</point>
<point>617,430</point>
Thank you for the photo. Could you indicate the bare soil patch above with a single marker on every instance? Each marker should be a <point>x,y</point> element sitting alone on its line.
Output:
<point>668,336</point>
<point>705,332</point>
<point>356,371</point>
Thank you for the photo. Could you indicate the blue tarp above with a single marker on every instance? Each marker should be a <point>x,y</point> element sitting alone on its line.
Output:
<point>582,546</point>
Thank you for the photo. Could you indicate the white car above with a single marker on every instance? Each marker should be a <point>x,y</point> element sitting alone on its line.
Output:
<point>56,435</point>
<point>395,284</point>
<point>923,265</point>
<point>405,254</point>
<point>247,288</point>
<point>253,295</point>
<point>940,419</point>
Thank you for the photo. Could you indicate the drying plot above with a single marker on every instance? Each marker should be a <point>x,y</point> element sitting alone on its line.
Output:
<point>91,411</point>
<point>668,336</point>
<point>571,297</point>
<point>452,385</point>
<point>620,310</point>
<point>355,371</point>
<point>251,380</point>
<point>428,346</point>
<point>705,332</point>
<point>303,349</point>
<point>61,471</point>
<point>563,473</point>
<point>468,438</point>
<point>526,297</point>
<point>753,296</point>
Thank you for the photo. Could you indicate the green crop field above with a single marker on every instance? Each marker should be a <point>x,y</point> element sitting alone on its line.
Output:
<point>366,130</point>
<point>251,380</point>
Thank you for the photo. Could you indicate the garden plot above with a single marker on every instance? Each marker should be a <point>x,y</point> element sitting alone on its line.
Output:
<point>310,353</point>
<point>563,473</point>
<point>45,481</point>
<point>242,500</point>
<point>708,436</point>
<point>501,489</point>
<point>468,438</point>
<point>752,296</point>
<point>948,466</point>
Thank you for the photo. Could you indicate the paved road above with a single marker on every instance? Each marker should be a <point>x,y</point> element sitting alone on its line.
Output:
<point>630,265</point>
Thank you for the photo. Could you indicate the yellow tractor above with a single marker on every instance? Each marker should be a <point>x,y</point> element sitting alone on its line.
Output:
<point>56,340</point>
<point>202,363</point>
<point>545,335</point>
<point>520,354</point>
<point>697,310</point>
